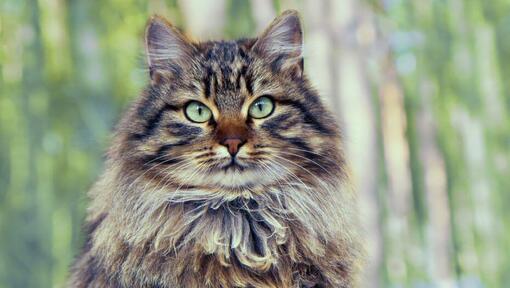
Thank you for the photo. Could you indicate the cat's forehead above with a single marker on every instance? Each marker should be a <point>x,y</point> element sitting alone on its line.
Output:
<point>225,77</point>
<point>226,52</point>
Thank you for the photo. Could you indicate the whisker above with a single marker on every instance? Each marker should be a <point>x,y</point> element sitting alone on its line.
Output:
<point>153,167</point>
<point>310,160</point>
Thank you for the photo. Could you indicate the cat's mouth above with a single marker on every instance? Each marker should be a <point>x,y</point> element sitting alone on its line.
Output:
<point>234,165</point>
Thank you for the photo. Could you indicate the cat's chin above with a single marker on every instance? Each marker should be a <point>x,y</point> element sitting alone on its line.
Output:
<point>234,177</point>
<point>235,174</point>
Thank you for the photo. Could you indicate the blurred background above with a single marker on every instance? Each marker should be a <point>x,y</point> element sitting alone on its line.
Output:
<point>421,88</point>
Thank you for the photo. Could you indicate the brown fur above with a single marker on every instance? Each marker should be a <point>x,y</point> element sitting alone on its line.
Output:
<point>169,212</point>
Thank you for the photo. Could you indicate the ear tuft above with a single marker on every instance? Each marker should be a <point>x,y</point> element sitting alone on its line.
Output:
<point>165,46</point>
<point>283,41</point>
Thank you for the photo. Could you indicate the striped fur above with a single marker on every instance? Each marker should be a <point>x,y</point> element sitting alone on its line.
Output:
<point>169,212</point>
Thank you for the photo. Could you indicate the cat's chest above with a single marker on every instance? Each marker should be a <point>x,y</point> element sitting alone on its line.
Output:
<point>218,241</point>
<point>197,232</point>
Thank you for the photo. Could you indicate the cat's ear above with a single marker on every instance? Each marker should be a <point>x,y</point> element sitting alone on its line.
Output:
<point>282,43</point>
<point>168,50</point>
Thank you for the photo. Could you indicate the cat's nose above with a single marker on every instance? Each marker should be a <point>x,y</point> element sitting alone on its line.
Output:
<point>233,144</point>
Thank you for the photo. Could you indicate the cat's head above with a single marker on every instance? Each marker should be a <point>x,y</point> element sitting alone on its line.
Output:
<point>228,114</point>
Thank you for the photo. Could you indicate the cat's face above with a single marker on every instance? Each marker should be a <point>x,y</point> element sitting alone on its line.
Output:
<point>230,114</point>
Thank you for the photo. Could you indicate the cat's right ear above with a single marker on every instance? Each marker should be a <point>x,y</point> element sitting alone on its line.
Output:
<point>168,50</point>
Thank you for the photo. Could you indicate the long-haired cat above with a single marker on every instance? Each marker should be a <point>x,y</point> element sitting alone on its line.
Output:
<point>226,172</point>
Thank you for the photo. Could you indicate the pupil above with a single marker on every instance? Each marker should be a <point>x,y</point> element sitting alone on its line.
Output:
<point>260,105</point>
<point>199,110</point>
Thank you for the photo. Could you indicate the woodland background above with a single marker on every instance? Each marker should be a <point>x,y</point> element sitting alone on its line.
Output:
<point>421,87</point>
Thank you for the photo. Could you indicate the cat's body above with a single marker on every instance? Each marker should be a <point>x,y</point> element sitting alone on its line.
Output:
<point>241,199</point>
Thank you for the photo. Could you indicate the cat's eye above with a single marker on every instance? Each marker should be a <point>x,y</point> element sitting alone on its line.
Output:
<point>197,112</point>
<point>261,108</point>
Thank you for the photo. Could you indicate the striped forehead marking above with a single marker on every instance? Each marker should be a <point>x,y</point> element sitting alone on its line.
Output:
<point>225,75</point>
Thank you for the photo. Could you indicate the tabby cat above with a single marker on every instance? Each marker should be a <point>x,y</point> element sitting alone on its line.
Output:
<point>226,172</point>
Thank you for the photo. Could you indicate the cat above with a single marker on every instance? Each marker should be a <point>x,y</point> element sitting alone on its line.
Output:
<point>228,171</point>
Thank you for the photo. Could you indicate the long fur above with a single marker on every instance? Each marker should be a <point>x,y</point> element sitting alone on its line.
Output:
<point>165,214</point>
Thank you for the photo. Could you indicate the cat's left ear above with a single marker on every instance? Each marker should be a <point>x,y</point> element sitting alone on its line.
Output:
<point>282,43</point>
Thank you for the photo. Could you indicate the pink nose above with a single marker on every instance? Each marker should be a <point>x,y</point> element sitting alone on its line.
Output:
<point>233,145</point>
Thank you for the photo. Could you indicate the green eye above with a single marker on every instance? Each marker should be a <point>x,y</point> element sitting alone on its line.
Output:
<point>261,108</point>
<point>197,112</point>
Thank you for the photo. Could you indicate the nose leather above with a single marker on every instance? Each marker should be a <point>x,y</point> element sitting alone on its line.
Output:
<point>233,145</point>
<point>232,133</point>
